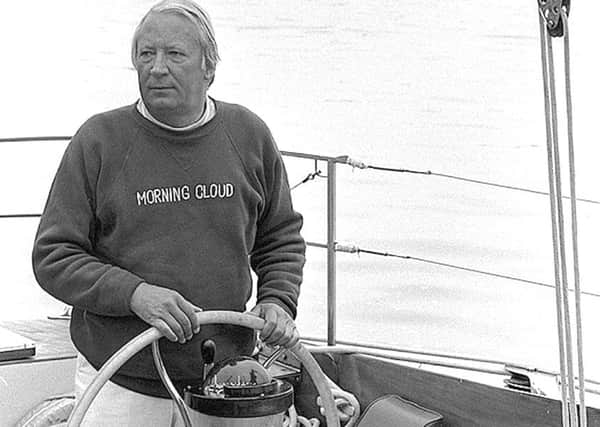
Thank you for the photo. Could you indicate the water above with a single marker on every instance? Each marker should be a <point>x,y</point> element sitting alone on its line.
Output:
<point>404,84</point>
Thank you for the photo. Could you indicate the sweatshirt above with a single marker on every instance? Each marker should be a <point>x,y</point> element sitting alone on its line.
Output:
<point>191,211</point>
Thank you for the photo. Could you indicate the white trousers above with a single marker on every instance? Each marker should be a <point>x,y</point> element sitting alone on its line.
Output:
<point>116,406</point>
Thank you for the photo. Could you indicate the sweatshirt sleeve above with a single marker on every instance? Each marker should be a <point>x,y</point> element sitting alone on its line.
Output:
<point>279,251</point>
<point>63,256</point>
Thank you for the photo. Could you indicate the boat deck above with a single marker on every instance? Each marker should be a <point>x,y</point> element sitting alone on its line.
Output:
<point>51,337</point>
<point>27,381</point>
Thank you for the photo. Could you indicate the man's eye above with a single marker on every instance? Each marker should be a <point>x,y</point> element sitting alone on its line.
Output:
<point>145,54</point>
<point>176,53</point>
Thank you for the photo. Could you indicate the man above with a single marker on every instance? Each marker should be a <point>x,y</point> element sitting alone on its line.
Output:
<point>158,210</point>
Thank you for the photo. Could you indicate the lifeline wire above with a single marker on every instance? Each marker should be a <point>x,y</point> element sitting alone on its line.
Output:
<point>508,187</point>
<point>357,250</point>
<point>447,176</point>
<point>464,179</point>
<point>473,181</point>
<point>361,165</point>
<point>358,165</point>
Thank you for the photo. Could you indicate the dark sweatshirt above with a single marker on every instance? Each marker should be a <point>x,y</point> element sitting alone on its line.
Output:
<point>192,211</point>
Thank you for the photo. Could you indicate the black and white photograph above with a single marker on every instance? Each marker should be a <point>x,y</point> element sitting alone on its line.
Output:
<point>299,213</point>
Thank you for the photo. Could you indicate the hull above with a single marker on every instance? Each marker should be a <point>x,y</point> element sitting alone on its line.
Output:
<point>462,403</point>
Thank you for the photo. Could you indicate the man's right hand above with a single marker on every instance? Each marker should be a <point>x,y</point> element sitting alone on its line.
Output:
<point>166,310</point>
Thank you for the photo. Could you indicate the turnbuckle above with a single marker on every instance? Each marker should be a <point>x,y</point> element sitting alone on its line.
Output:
<point>551,11</point>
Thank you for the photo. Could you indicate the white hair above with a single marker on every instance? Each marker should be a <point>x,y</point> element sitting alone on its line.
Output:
<point>198,17</point>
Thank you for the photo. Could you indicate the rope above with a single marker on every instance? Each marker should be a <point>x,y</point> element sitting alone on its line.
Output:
<point>353,249</point>
<point>561,240</point>
<point>561,342</point>
<point>561,227</point>
<point>576,277</point>
<point>308,177</point>
<point>566,374</point>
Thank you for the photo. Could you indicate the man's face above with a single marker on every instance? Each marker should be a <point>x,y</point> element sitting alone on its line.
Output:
<point>172,77</point>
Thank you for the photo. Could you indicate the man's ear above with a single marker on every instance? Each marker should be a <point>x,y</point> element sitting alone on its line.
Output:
<point>209,75</point>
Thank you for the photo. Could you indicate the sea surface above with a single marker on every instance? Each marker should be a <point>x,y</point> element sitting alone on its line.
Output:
<point>449,87</point>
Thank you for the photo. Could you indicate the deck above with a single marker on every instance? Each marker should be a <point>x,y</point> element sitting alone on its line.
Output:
<point>26,382</point>
<point>51,337</point>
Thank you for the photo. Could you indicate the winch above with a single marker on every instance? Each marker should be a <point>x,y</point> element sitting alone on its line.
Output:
<point>239,392</point>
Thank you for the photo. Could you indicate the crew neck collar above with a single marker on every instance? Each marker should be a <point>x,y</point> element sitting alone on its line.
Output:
<point>207,114</point>
<point>176,135</point>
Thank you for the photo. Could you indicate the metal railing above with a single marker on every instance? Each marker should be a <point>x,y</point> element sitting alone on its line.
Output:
<point>331,234</point>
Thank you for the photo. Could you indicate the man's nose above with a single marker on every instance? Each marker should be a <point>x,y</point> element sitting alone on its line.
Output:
<point>159,66</point>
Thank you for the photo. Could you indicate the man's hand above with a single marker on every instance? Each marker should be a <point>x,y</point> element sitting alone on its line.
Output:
<point>166,310</point>
<point>280,328</point>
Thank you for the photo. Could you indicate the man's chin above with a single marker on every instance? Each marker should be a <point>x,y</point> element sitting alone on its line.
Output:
<point>160,104</point>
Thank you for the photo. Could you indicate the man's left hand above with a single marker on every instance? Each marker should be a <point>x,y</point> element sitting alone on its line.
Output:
<point>279,328</point>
